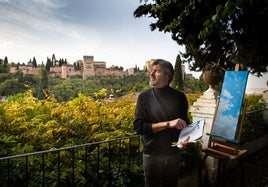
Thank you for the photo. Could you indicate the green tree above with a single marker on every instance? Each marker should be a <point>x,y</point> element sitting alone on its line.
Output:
<point>48,64</point>
<point>61,61</point>
<point>4,65</point>
<point>34,63</point>
<point>178,74</point>
<point>11,86</point>
<point>5,62</point>
<point>44,79</point>
<point>224,31</point>
<point>136,69</point>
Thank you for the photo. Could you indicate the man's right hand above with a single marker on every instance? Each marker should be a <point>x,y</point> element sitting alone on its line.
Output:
<point>177,123</point>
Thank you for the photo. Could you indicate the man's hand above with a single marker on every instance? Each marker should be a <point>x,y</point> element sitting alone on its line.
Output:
<point>177,123</point>
<point>184,143</point>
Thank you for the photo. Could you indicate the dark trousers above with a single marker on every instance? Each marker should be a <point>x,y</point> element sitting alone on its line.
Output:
<point>162,171</point>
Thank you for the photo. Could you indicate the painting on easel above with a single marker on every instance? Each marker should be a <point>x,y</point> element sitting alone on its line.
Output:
<point>230,104</point>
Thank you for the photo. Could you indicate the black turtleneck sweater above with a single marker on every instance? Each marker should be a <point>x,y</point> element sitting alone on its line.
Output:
<point>158,105</point>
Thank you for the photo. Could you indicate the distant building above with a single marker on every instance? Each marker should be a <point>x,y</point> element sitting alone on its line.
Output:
<point>84,68</point>
<point>26,69</point>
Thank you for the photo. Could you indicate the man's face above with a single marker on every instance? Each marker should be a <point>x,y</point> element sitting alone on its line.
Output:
<point>158,77</point>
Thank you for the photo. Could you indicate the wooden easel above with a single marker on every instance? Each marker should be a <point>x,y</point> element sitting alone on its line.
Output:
<point>224,149</point>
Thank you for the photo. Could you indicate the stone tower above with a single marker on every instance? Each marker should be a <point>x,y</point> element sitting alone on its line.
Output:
<point>88,66</point>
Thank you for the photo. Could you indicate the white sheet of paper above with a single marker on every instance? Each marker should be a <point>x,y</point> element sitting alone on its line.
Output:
<point>194,130</point>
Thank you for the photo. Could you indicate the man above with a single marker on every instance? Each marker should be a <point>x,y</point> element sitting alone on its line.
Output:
<point>161,112</point>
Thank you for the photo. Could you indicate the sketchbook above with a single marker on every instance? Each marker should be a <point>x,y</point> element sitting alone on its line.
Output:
<point>194,130</point>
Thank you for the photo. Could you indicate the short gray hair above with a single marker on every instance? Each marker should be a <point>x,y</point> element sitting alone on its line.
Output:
<point>166,66</point>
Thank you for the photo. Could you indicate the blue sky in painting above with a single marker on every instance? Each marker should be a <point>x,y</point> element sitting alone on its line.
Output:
<point>230,104</point>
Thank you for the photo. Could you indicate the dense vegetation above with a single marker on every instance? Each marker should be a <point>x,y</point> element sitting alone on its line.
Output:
<point>68,89</point>
<point>29,113</point>
<point>28,125</point>
<point>75,111</point>
<point>219,31</point>
<point>96,87</point>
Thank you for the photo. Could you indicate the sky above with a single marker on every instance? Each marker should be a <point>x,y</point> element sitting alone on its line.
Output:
<point>231,99</point>
<point>71,29</point>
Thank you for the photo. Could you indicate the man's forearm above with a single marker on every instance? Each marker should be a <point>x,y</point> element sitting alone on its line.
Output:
<point>156,127</point>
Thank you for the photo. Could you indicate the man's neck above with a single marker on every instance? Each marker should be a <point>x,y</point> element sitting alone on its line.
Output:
<point>163,86</point>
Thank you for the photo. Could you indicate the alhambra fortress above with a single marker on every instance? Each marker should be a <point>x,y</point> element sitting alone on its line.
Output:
<point>84,68</point>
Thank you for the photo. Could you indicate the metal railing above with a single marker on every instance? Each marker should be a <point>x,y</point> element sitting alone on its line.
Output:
<point>108,163</point>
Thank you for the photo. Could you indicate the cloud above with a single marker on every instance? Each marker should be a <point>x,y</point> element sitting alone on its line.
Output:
<point>227,94</point>
<point>54,4</point>
<point>5,44</point>
<point>238,88</point>
<point>105,29</point>
<point>225,105</point>
<point>225,125</point>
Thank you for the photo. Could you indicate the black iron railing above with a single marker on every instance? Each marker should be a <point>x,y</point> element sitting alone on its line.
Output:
<point>108,163</point>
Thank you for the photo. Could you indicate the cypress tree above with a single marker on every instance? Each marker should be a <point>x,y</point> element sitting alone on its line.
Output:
<point>178,79</point>
<point>34,63</point>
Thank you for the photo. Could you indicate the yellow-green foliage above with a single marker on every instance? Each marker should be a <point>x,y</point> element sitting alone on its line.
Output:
<point>254,102</point>
<point>28,124</point>
<point>254,125</point>
<point>44,124</point>
<point>191,99</point>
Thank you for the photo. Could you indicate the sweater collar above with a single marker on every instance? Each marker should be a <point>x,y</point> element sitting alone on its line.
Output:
<point>159,90</point>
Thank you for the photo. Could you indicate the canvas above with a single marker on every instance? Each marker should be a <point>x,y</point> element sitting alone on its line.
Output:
<point>230,104</point>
